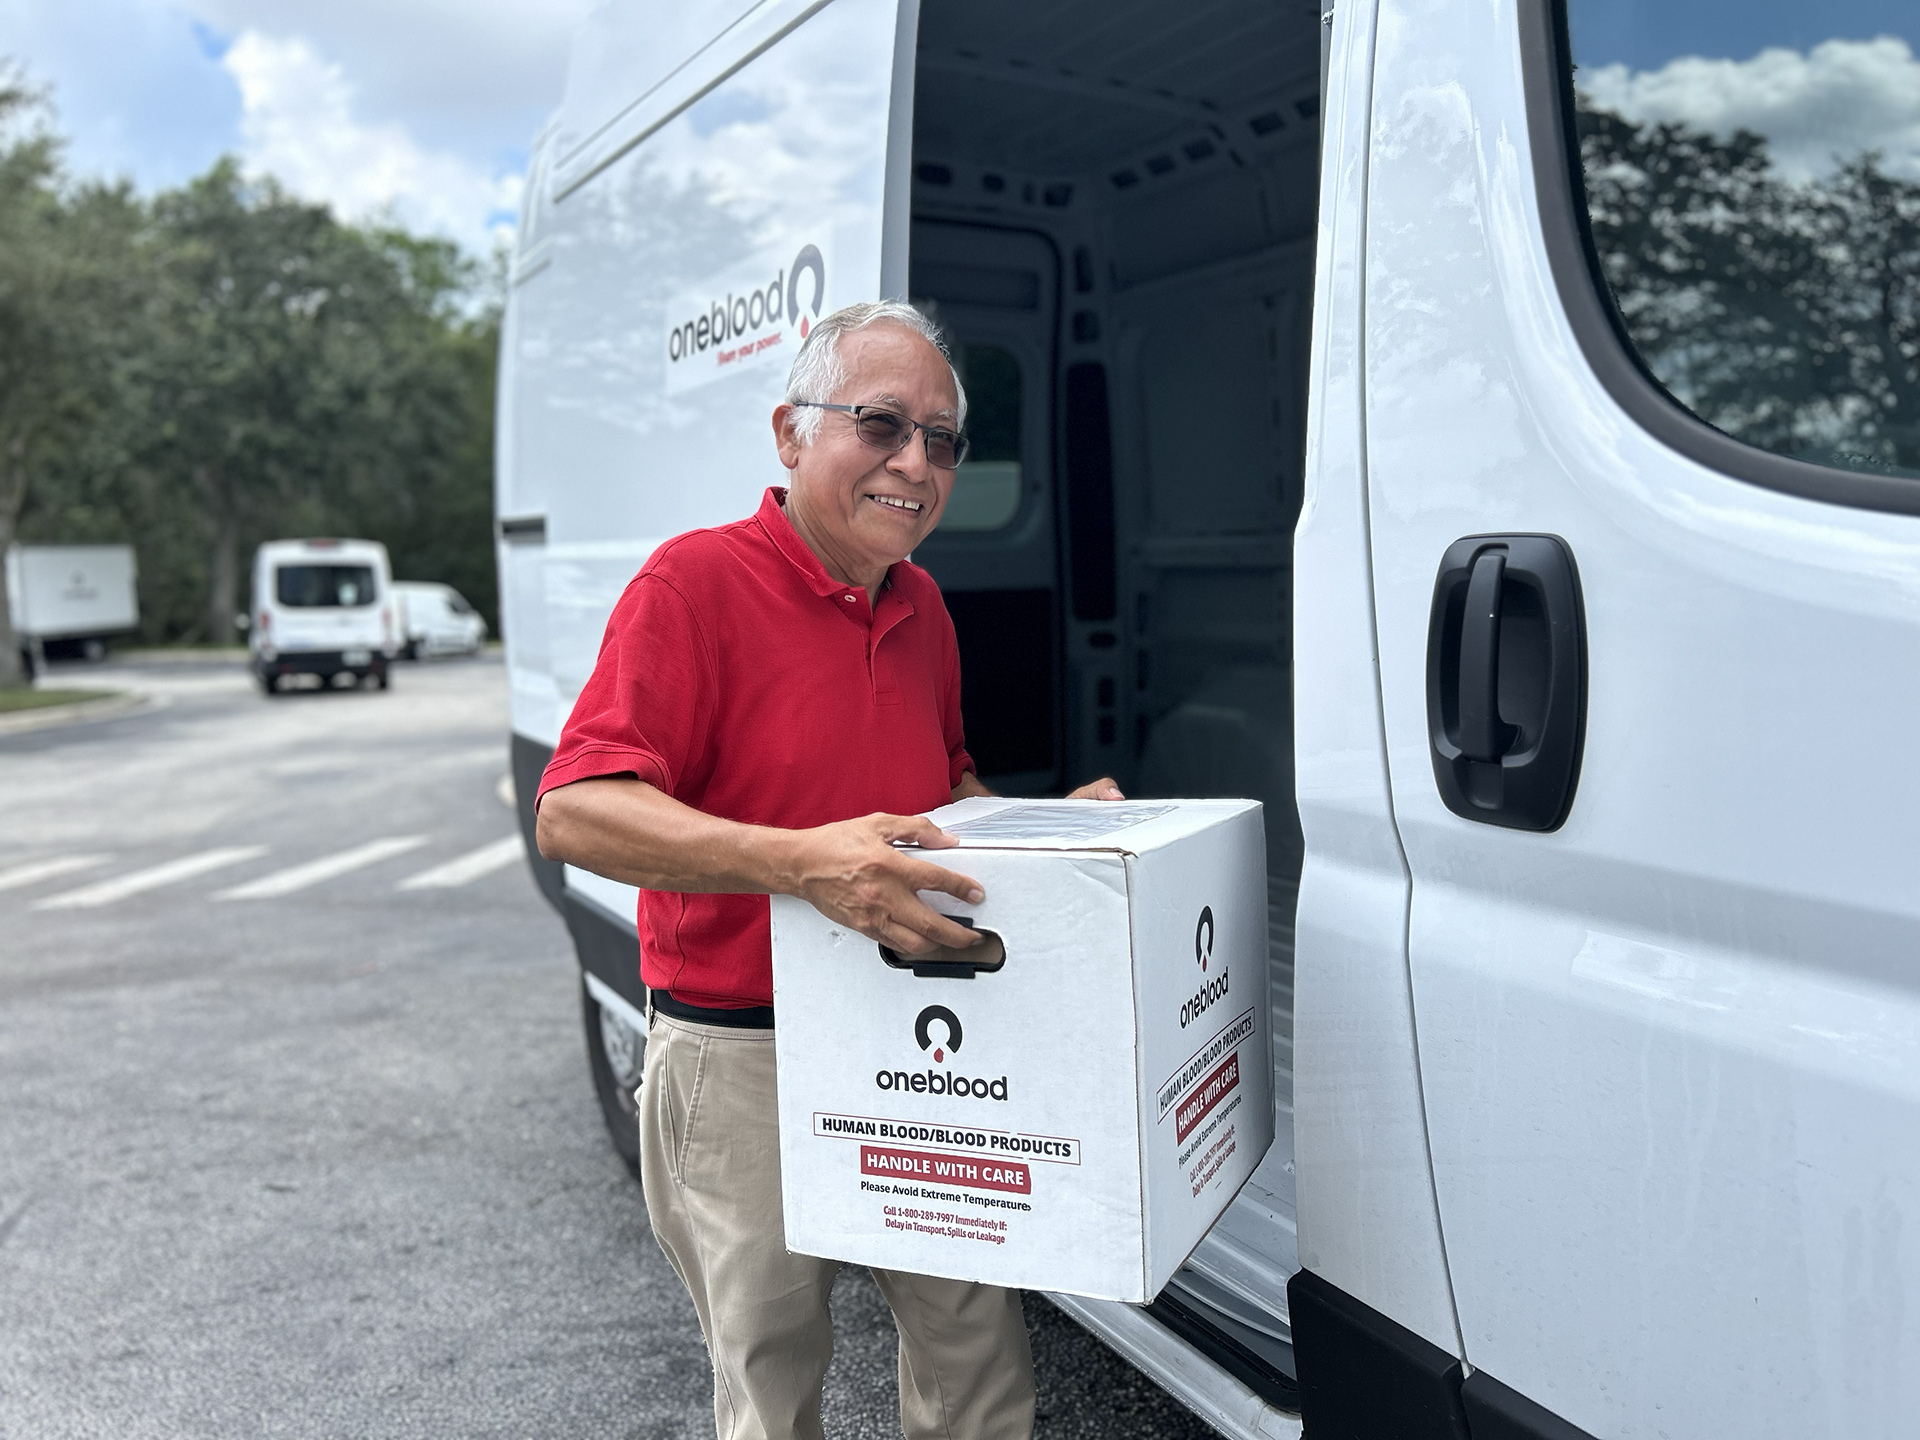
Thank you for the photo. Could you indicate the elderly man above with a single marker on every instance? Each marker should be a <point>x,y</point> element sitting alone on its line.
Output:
<point>774,703</point>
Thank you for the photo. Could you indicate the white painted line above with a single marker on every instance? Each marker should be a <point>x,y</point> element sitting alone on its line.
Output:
<point>503,791</point>
<point>467,868</point>
<point>105,892</point>
<point>34,871</point>
<point>299,877</point>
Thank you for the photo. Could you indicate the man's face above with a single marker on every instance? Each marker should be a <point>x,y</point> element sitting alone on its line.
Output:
<point>860,508</point>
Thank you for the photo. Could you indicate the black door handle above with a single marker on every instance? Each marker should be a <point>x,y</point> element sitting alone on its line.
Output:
<point>1506,680</point>
<point>1483,734</point>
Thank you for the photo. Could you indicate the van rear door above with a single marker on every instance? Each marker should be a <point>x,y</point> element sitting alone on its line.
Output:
<point>1651,697</point>
<point>994,290</point>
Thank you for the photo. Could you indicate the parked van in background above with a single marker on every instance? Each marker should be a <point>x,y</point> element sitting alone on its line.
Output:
<point>436,619</point>
<point>69,600</point>
<point>323,608</point>
<point>1516,489</point>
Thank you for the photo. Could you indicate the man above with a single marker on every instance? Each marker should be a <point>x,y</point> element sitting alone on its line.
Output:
<point>762,684</point>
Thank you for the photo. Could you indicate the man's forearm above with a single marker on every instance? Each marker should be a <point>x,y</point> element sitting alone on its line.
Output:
<point>630,831</point>
<point>969,787</point>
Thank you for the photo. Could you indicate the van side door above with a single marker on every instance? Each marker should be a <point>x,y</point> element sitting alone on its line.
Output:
<point>1651,689</point>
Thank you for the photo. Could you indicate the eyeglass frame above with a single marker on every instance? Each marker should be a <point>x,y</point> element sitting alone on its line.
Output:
<point>961,443</point>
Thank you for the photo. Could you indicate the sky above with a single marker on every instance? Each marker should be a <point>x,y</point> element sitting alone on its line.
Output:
<point>1821,79</point>
<point>422,110</point>
<point>417,110</point>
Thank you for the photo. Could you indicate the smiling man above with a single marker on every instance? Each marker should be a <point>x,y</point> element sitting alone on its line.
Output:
<point>774,703</point>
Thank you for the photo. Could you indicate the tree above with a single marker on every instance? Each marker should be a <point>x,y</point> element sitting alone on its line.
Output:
<point>37,361</point>
<point>224,364</point>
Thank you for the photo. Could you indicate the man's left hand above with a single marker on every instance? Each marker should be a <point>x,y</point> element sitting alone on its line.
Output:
<point>1101,789</point>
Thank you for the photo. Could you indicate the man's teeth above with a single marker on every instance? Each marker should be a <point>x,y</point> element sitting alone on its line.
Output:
<point>897,503</point>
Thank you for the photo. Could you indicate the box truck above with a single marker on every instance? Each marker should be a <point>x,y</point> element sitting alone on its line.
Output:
<point>1341,443</point>
<point>72,599</point>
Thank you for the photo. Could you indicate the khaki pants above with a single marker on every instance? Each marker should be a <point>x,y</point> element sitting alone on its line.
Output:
<point>710,1164</point>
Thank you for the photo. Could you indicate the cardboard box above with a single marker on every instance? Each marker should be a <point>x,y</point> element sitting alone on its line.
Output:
<point>1074,1119</point>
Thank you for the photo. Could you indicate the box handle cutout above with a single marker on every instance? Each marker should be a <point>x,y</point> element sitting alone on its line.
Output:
<point>947,963</point>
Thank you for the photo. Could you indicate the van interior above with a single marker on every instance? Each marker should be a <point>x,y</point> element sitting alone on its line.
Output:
<point>1113,215</point>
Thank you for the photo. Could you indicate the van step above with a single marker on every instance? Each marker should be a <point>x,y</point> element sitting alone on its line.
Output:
<point>1260,1362</point>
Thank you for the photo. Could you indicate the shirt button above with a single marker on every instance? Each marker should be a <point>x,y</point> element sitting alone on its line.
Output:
<point>847,598</point>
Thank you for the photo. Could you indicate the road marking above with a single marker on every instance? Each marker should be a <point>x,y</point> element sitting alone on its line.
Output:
<point>467,868</point>
<point>105,892</point>
<point>299,877</point>
<point>503,790</point>
<point>35,871</point>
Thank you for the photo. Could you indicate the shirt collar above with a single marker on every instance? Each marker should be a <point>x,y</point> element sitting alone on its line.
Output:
<point>772,516</point>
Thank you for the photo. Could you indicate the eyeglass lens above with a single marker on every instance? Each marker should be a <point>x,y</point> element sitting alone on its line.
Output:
<point>887,431</point>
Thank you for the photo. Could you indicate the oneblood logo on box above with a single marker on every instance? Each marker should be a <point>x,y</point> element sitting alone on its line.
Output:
<point>937,1028</point>
<point>748,317</point>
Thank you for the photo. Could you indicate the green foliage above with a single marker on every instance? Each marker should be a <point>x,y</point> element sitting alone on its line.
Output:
<point>222,364</point>
<point>1787,315</point>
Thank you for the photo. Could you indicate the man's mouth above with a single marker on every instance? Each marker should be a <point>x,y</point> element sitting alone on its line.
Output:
<point>894,502</point>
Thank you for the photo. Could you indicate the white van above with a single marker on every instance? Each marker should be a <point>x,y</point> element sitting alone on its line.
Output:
<point>1498,479</point>
<point>323,608</point>
<point>436,619</point>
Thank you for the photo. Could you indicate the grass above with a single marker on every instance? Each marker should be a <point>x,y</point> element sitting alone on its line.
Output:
<point>20,697</point>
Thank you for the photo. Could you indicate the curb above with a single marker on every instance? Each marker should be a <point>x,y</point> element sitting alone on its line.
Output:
<point>77,713</point>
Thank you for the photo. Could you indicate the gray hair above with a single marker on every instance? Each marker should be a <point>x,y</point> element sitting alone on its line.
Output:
<point>819,372</point>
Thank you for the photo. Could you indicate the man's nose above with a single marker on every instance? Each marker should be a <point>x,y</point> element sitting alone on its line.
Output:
<point>910,461</point>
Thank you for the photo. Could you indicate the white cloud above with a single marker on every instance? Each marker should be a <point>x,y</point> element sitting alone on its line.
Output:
<point>297,124</point>
<point>465,75</point>
<point>1816,109</point>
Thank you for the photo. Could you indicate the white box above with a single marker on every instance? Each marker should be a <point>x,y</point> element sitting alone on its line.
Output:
<point>1074,1120</point>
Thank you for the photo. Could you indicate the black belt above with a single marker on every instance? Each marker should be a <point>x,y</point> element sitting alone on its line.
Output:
<point>751,1017</point>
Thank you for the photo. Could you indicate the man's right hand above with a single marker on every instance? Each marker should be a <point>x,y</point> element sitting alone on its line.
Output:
<point>852,873</point>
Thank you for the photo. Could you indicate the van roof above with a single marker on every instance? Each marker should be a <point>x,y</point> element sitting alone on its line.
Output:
<point>320,548</point>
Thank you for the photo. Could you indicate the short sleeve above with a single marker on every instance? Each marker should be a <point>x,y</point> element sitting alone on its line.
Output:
<point>647,708</point>
<point>959,762</point>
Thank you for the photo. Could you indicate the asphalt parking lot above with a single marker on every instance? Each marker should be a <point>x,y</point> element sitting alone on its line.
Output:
<point>298,1137</point>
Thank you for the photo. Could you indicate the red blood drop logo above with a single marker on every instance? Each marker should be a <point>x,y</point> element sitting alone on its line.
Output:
<point>937,1054</point>
<point>804,327</point>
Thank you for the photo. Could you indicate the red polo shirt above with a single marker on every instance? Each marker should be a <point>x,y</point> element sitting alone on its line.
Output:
<point>743,680</point>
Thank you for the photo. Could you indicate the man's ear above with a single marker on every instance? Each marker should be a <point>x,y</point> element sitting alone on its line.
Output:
<point>785,420</point>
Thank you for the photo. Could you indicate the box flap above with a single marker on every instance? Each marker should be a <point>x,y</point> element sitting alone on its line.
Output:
<point>1130,827</point>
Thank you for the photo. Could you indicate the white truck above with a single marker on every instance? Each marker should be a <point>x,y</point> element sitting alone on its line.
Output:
<point>72,598</point>
<point>1342,443</point>
<point>325,608</point>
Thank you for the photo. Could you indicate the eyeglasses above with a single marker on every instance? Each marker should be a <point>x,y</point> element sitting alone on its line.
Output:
<point>885,430</point>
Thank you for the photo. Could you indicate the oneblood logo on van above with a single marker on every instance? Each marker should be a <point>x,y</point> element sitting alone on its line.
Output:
<point>751,316</point>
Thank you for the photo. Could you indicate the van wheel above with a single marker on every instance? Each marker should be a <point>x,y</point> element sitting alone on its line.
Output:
<point>616,1053</point>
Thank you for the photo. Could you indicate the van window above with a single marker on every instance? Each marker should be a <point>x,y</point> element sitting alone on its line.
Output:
<point>310,586</point>
<point>986,488</point>
<point>1753,190</point>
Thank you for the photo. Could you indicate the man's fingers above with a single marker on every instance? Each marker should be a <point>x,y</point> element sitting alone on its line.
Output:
<point>902,941</point>
<point>915,830</point>
<point>937,928</point>
<point>922,876</point>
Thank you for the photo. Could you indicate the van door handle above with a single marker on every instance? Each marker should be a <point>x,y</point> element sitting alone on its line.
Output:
<point>1506,680</point>
<point>1483,734</point>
